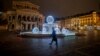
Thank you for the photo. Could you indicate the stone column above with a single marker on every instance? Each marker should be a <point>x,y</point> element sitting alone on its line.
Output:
<point>30,18</point>
<point>34,19</point>
<point>31,26</point>
<point>26,18</point>
<point>21,27</point>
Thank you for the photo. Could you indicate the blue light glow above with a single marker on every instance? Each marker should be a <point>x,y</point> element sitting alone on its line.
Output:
<point>35,30</point>
<point>50,20</point>
<point>47,28</point>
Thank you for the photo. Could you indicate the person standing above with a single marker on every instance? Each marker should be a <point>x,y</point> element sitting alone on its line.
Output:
<point>54,38</point>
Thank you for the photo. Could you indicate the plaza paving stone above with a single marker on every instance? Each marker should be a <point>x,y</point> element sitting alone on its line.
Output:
<point>13,45</point>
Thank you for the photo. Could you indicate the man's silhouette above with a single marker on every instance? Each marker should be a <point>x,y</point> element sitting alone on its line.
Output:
<point>54,38</point>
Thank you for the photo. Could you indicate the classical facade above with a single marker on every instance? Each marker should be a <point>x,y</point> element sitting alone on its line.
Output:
<point>82,21</point>
<point>23,16</point>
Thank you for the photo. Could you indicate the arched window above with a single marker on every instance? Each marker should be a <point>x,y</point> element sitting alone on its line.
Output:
<point>27,7</point>
<point>12,27</point>
<point>10,18</point>
<point>28,26</point>
<point>39,20</point>
<point>24,18</point>
<point>28,18</point>
<point>13,17</point>
<point>19,17</point>
<point>32,19</point>
<point>32,26</point>
<point>36,19</point>
<point>23,26</point>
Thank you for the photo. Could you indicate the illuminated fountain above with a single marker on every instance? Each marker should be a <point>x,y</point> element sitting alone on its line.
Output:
<point>35,30</point>
<point>57,30</point>
<point>47,29</point>
<point>67,32</point>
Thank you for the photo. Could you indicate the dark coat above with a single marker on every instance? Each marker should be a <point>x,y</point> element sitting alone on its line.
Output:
<point>54,35</point>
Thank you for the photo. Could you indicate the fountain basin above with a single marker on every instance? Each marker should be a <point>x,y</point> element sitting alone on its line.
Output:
<point>30,34</point>
<point>38,35</point>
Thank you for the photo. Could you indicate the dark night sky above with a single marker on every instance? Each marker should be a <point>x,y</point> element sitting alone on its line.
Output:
<point>63,8</point>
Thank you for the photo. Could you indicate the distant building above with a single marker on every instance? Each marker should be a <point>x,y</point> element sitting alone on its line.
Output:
<point>23,16</point>
<point>81,21</point>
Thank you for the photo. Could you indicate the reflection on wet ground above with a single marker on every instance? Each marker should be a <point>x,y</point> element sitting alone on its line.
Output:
<point>12,45</point>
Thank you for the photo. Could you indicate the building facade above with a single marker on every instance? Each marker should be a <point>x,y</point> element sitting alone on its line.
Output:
<point>23,16</point>
<point>82,21</point>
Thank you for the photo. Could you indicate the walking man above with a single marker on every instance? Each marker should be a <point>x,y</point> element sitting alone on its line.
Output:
<point>54,38</point>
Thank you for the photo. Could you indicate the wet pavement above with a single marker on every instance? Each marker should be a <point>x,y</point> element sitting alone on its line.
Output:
<point>13,45</point>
